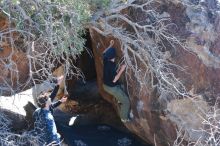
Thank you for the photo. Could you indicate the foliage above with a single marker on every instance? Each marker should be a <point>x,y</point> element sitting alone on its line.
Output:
<point>49,32</point>
<point>58,22</point>
<point>98,4</point>
<point>8,138</point>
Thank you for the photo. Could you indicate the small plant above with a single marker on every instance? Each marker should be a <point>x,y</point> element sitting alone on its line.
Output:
<point>98,4</point>
<point>49,32</point>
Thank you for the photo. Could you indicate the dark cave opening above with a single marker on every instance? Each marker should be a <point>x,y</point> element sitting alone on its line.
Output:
<point>82,88</point>
<point>86,61</point>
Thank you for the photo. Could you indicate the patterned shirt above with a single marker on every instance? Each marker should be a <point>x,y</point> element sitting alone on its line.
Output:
<point>44,124</point>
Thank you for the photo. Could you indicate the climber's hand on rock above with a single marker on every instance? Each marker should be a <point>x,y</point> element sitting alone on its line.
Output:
<point>116,78</point>
<point>112,42</point>
<point>63,99</point>
<point>60,79</point>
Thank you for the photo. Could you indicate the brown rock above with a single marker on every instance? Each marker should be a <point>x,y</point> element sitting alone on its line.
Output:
<point>157,118</point>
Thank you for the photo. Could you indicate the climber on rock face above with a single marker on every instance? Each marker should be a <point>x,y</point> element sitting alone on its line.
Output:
<point>111,75</point>
<point>44,121</point>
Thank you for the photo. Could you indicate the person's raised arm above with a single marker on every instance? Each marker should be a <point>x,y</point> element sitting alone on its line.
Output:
<point>55,90</point>
<point>110,45</point>
<point>121,70</point>
<point>57,103</point>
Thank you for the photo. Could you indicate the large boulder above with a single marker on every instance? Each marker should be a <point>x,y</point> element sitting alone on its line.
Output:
<point>157,116</point>
<point>14,64</point>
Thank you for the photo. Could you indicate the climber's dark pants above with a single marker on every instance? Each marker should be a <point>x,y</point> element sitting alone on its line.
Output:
<point>121,97</point>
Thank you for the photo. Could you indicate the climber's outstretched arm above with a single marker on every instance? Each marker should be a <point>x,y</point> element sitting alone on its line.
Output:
<point>121,70</point>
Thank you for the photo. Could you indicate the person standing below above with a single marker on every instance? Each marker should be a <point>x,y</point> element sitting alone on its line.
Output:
<point>111,75</point>
<point>44,124</point>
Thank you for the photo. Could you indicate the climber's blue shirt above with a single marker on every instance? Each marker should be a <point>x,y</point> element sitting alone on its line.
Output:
<point>45,126</point>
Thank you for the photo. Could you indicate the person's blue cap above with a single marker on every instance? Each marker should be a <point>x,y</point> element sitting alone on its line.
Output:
<point>110,53</point>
